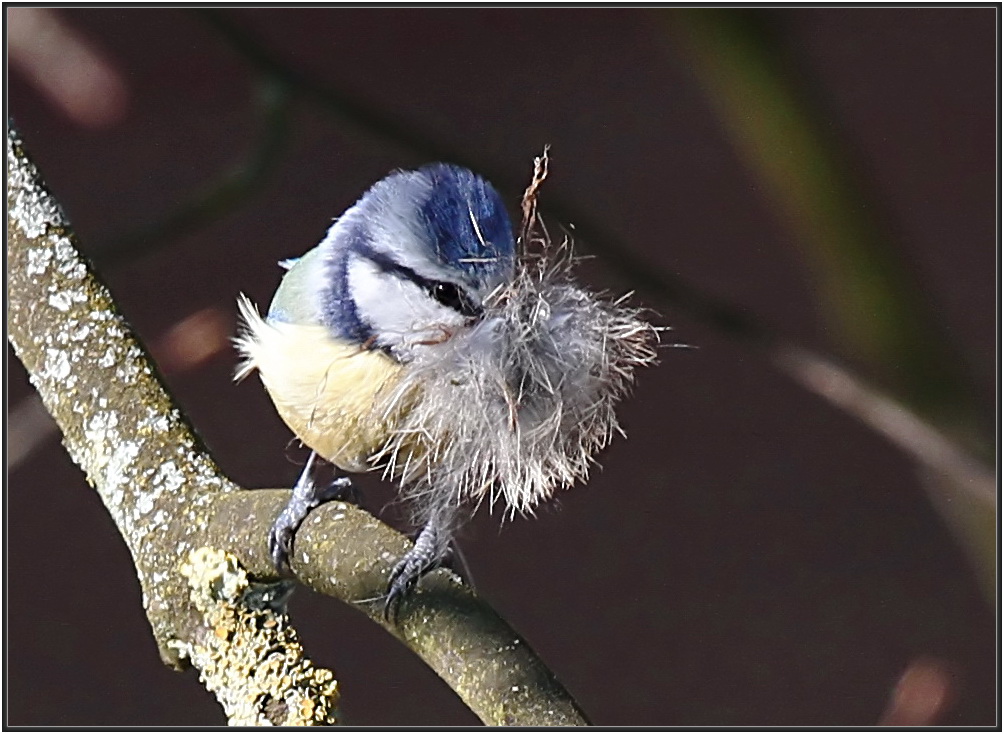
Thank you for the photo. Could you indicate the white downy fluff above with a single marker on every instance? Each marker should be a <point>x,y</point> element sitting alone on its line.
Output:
<point>517,405</point>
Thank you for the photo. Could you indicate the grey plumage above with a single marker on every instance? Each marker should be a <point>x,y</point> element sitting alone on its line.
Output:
<point>516,406</point>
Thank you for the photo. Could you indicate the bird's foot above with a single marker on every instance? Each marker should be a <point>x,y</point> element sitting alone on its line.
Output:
<point>306,496</point>
<point>403,579</point>
<point>431,547</point>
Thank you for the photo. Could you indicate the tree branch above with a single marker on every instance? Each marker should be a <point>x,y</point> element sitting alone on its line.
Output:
<point>169,501</point>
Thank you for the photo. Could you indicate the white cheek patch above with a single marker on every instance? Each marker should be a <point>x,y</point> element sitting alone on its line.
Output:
<point>397,231</point>
<point>400,313</point>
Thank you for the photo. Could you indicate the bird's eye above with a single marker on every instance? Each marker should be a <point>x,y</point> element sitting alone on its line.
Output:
<point>447,294</point>
<point>451,296</point>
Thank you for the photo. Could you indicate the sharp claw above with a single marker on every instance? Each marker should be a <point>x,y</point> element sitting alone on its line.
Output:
<point>391,606</point>
<point>403,580</point>
<point>430,548</point>
<point>280,539</point>
<point>397,590</point>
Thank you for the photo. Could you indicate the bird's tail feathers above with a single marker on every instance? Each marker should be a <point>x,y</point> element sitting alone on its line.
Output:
<point>249,327</point>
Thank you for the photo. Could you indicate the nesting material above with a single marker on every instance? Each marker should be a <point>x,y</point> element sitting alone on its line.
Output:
<point>518,404</point>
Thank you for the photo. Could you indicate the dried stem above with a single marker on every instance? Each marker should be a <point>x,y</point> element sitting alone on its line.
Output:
<point>529,203</point>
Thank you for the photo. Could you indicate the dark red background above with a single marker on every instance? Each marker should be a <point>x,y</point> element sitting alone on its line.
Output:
<point>748,556</point>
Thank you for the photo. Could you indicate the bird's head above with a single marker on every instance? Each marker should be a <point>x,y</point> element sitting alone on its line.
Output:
<point>409,264</point>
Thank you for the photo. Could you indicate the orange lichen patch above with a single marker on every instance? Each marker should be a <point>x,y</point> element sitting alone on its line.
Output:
<point>253,662</point>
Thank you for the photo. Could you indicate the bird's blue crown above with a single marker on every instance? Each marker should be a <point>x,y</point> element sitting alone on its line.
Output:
<point>466,219</point>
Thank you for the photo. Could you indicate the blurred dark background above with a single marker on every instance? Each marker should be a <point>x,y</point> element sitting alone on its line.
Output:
<point>751,554</point>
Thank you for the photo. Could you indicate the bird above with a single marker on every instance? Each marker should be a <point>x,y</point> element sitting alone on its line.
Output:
<point>422,338</point>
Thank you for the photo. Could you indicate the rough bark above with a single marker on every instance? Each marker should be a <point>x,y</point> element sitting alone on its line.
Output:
<point>194,535</point>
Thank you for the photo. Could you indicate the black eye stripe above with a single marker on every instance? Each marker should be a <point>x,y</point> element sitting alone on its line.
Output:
<point>449,294</point>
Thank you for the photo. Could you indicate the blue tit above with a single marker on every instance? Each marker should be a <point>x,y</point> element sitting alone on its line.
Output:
<point>416,339</point>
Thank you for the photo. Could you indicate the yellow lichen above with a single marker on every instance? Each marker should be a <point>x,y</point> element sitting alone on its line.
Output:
<point>252,660</point>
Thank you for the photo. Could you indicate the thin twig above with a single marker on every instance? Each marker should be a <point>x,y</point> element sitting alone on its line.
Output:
<point>529,203</point>
<point>221,195</point>
<point>917,438</point>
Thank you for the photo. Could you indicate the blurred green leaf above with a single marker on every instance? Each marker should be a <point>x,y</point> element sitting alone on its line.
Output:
<point>866,292</point>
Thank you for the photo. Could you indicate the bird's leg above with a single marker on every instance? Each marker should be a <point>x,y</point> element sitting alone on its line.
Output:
<point>431,547</point>
<point>306,496</point>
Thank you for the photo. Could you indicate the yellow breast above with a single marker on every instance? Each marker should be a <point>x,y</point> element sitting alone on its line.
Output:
<point>325,391</point>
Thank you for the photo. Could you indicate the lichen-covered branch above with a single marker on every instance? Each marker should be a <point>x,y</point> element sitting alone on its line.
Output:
<point>118,423</point>
<point>168,498</point>
<point>121,428</point>
<point>248,654</point>
<point>345,552</point>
